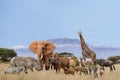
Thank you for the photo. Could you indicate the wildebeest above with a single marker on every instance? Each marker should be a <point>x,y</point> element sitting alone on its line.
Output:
<point>105,63</point>
<point>14,70</point>
<point>27,62</point>
<point>59,62</point>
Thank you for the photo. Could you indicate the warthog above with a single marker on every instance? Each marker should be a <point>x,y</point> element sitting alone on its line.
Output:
<point>69,71</point>
<point>81,69</point>
<point>27,62</point>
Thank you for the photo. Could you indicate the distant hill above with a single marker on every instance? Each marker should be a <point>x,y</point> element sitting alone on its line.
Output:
<point>65,41</point>
<point>72,46</point>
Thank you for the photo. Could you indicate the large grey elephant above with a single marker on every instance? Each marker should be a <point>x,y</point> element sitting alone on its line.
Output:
<point>27,62</point>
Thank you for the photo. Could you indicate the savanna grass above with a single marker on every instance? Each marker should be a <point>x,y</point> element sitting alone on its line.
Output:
<point>51,75</point>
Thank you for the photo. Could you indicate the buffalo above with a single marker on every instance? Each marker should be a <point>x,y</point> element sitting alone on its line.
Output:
<point>59,62</point>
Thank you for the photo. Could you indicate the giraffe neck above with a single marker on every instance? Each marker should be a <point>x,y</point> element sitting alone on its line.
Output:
<point>83,44</point>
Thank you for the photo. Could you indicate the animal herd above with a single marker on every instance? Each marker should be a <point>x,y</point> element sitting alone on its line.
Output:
<point>47,59</point>
<point>57,62</point>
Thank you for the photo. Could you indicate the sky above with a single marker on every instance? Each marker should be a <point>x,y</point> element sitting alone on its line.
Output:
<point>24,21</point>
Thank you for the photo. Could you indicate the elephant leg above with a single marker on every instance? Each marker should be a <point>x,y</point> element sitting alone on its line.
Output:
<point>47,65</point>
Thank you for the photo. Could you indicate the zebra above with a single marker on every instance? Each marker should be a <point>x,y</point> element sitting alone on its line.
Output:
<point>94,69</point>
<point>14,70</point>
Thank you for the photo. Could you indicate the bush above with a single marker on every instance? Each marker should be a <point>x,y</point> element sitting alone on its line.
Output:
<point>114,58</point>
<point>6,54</point>
<point>66,54</point>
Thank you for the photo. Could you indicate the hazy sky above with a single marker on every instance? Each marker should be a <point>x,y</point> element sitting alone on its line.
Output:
<point>22,21</point>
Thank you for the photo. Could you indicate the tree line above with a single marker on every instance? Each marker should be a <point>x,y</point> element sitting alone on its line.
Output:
<point>6,54</point>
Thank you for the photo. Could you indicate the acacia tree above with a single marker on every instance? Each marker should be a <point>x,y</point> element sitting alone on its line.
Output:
<point>114,58</point>
<point>66,54</point>
<point>6,54</point>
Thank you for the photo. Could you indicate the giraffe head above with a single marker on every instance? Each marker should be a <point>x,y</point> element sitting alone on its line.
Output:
<point>80,34</point>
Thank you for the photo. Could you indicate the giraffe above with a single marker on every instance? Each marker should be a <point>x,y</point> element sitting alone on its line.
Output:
<point>86,51</point>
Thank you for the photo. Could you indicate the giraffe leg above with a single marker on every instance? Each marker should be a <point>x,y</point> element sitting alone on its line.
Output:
<point>84,58</point>
<point>93,62</point>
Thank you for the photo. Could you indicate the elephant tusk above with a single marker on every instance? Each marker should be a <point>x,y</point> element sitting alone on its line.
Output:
<point>41,56</point>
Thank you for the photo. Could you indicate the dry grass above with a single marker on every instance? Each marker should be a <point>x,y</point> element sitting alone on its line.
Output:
<point>51,75</point>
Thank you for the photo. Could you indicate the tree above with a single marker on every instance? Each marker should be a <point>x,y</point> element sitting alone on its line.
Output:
<point>66,54</point>
<point>6,54</point>
<point>114,58</point>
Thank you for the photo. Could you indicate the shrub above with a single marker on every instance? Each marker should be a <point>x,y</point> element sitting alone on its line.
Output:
<point>6,54</point>
<point>114,58</point>
<point>66,54</point>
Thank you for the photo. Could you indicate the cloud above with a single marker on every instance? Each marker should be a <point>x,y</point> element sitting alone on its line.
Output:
<point>104,46</point>
<point>19,47</point>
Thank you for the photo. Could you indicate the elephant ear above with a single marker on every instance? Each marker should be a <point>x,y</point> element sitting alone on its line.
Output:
<point>49,48</point>
<point>33,47</point>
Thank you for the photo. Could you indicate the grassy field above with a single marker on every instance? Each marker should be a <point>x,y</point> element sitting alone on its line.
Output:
<point>51,75</point>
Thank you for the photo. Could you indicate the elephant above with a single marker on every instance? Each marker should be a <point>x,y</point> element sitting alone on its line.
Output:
<point>27,62</point>
<point>43,50</point>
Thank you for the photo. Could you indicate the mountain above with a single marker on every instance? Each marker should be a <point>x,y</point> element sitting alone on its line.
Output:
<point>72,46</point>
<point>64,41</point>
